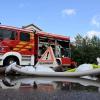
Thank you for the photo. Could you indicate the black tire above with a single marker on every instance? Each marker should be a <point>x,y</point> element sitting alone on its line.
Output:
<point>58,61</point>
<point>10,60</point>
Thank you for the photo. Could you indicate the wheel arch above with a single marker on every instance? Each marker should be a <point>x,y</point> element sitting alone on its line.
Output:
<point>16,55</point>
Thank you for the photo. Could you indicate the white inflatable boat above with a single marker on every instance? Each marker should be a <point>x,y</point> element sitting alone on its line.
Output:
<point>29,70</point>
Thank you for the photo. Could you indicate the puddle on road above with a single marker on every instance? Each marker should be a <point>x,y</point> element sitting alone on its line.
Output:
<point>49,84</point>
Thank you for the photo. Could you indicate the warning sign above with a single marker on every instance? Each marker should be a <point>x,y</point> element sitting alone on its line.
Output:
<point>48,58</point>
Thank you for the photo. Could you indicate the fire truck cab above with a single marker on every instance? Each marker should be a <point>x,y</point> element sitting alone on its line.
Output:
<point>25,47</point>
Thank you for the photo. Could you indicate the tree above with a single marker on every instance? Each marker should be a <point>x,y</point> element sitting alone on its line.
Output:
<point>86,49</point>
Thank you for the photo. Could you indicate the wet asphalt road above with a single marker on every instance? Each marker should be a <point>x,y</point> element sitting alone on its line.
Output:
<point>55,95</point>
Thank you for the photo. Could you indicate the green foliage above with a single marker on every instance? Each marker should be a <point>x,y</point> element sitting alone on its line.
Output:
<point>86,49</point>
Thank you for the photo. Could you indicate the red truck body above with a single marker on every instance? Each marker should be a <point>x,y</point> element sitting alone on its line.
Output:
<point>26,47</point>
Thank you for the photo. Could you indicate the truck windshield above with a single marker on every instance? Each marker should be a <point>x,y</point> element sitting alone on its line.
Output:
<point>7,34</point>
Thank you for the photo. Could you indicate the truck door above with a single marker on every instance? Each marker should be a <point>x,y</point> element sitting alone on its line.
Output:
<point>26,43</point>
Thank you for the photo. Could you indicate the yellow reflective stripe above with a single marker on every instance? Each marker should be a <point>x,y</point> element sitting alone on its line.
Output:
<point>31,44</point>
<point>23,49</point>
<point>19,46</point>
<point>15,48</point>
<point>28,47</point>
<point>22,43</point>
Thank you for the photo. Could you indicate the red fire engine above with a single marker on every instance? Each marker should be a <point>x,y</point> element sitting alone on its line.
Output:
<point>26,47</point>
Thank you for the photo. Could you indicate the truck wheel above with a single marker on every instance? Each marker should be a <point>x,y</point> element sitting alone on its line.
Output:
<point>10,60</point>
<point>58,61</point>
